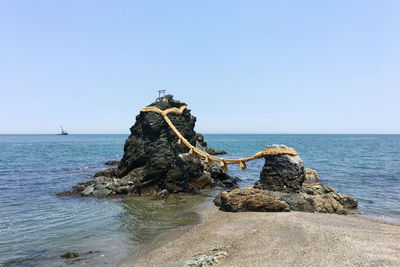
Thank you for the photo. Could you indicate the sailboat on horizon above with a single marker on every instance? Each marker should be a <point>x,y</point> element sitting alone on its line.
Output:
<point>62,132</point>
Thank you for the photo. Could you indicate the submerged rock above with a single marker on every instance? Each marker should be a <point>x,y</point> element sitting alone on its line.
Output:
<point>112,162</point>
<point>70,255</point>
<point>108,172</point>
<point>88,190</point>
<point>281,172</point>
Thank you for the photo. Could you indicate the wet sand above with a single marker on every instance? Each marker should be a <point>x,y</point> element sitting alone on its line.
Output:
<point>280,239</point>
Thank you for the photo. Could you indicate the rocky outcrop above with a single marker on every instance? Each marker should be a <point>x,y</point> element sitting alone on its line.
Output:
<point>249,199</point>
<point>281,187</point>
<point>311,198</point>
<point>153,161</point>
<point>311,176</point>
<point>283,173</point>
<point>212,151</point>
<point>317,198</point>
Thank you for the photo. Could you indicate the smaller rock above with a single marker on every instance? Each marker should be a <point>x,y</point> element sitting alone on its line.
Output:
<point>163,194</point>
<point>201,183</point>
<point>112,172</point>
<point>311,176</point>
<point>123,182</point>
<point>200,261</point>
<point>249,199</point>
<point>349,202</point>
<point>317,198</point>
<point>221,254</point>
<point>216,247</point>
<point>212,151</point>
<point>206,260</point>
<point>79,187</point>
<point>101,192</point>
<point>70,255</point>
<point>281,172</point>
<point>220,177</point>
<point>100,186</point>
<point>123,189</point>
<point>88,190</point>
<point>112,162</point>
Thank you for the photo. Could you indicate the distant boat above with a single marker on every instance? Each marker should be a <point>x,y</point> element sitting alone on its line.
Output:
<point>63,132</point>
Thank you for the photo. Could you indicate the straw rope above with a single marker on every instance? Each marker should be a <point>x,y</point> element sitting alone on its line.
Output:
<point>208,159</point>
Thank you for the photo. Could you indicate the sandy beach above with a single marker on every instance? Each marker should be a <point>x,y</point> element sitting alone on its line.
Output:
<point>280,239</point>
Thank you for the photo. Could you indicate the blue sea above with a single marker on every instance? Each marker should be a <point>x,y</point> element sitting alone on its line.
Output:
<point>36,226</point>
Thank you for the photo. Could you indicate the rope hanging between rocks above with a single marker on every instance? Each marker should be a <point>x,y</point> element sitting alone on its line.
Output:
<point>208,159</point>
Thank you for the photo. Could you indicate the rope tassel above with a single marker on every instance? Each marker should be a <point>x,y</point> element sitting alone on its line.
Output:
<point>223,164</point>
<point>242,165</point>
<point>180,143</point>
<point>192,152</point>
<point>208,161</point>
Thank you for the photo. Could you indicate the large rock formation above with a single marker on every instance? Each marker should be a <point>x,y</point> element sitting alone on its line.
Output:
<point>281,172</point>
<point>152,156</point>
<point>281,180</point>
<point>153,160</point>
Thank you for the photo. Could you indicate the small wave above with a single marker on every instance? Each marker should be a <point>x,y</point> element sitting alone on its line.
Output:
<point>382,218</point>
<point>86,169</point>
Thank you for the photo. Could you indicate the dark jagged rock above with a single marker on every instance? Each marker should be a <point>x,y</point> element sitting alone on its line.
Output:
<point>281,172</point>
<point>220,177</point>
<point>74,255</point>
<point>152,144</point>
<point>153,161</point>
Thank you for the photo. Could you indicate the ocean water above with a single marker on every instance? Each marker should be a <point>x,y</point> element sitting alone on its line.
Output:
<point>36,226</point>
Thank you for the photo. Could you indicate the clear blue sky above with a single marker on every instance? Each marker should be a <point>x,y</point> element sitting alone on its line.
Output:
<point>242,66</point>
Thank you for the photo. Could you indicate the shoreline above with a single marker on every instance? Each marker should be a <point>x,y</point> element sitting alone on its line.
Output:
<point>283,238</point>
<point>164,237</point>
